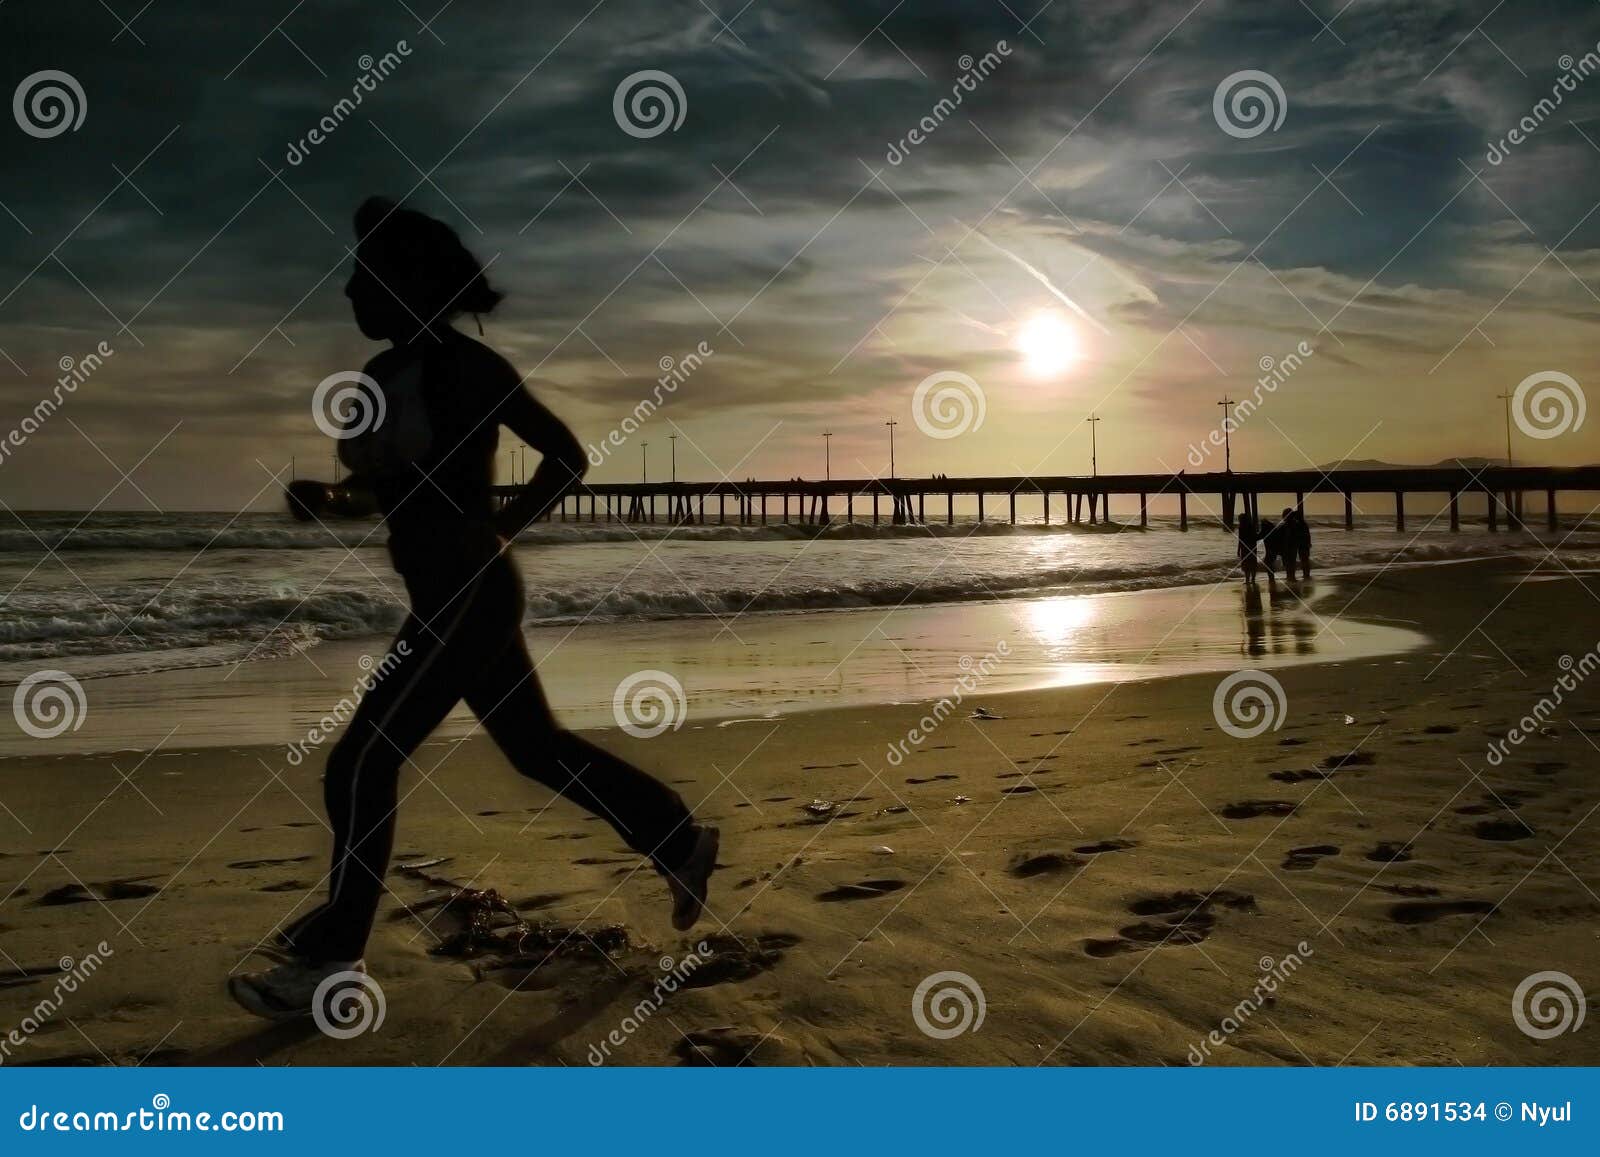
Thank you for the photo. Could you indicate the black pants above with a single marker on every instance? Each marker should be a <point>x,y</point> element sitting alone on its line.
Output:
<point>463,640</point>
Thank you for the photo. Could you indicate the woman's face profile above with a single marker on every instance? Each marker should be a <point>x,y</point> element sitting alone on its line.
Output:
<point>374,306</point>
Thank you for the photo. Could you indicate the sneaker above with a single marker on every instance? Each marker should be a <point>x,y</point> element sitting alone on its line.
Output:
<point>689,880</point>
<point>288,991</point>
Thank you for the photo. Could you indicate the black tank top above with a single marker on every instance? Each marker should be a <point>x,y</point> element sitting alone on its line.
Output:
<point>427,453</point>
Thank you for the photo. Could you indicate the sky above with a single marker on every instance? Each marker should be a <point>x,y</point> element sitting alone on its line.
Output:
<point>1131,211</point>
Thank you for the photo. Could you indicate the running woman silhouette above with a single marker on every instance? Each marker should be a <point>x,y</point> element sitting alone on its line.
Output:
<point>428,465</point>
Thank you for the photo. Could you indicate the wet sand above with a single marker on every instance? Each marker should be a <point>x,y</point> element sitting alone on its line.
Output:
<point>1112,871</point>
<point>765,665</point>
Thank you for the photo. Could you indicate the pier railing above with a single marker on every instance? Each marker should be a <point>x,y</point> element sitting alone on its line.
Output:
<point>1082,498</point>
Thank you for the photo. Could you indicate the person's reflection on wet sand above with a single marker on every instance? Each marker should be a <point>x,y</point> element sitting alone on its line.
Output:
<point>1255,625</point>
<point>1307,627</point>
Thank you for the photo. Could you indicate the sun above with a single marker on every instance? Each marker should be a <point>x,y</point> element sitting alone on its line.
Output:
<point>1048,343</point>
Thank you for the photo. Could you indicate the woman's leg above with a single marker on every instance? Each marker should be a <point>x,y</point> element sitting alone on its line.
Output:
<point>434,658</point>
<point>649,816</point>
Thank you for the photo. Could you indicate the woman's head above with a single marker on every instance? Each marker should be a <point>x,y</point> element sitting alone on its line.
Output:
<point>412,273</point>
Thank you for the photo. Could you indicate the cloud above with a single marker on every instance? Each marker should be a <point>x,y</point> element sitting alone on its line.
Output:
<point>772,225</point>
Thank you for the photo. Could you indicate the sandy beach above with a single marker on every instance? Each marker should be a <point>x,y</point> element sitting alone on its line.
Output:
<point>1112,874</point>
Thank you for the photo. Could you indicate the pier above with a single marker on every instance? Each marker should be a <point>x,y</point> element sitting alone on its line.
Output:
<point>1066,499</point>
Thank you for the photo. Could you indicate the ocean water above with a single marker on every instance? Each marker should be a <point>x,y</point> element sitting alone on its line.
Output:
<point>245,629</point>
<point>124,592</point>
<point>119,593</point>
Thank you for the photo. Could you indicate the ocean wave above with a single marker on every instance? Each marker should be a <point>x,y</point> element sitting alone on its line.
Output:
<point>117,621</point>
<point>346,535</point>
<point>270,532</point>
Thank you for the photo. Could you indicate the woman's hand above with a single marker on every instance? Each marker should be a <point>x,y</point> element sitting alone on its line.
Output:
<point>307,499</point>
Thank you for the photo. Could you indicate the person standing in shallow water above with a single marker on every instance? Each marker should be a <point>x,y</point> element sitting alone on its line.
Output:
<point>1245,529</point>
<point>428,466</point>
<point>1301,542</point>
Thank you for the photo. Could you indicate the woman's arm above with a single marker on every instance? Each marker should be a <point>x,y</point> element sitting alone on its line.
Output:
<point>562,462</point>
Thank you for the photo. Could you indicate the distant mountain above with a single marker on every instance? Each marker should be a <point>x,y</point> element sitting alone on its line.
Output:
<point>1375,464</point>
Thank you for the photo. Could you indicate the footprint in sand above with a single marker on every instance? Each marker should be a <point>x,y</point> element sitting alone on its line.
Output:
<point>1187,901</point>
<point>1290,741</point>
<point>1440,729</point>
<point>13,977</point>
<point>728,1047</point>
<point>865,890</point>
<point>286,886</point>
<point>1189,918</point>
<point>1349,759</point>
<point>736,958</point>
<point>1297,776</point>
<point>131,889</point>
<point>1427,911</point>
<point>933,779</point>
<point>1304,859</point>
<point>1020,789</point>
<point>1115,845</point>
<point>538,900</point>
<point>1025,865</point>
<point>1390,853</point>
<point>1503,830</point>
<point>1547,767</point>
<point>1247,809</point>
<point>243,865</point>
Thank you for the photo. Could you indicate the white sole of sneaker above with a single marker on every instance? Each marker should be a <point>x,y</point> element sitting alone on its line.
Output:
<point>254,1001</point>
